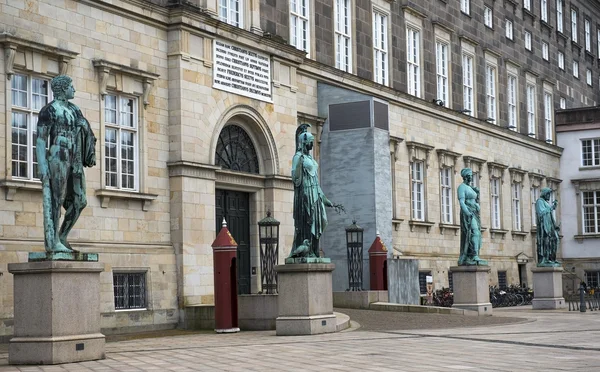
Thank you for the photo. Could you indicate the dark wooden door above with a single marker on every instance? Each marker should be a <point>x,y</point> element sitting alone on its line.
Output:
<point>234,206</point>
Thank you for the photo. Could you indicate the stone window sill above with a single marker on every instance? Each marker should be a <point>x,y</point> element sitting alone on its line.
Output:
<point>12,186</point>
<point>500,232</point>
<point>561,35</point>
<point>106,194</point>
<point>521,234</point>
<point>396,222</point>
<point>581,238</point>
<point>596,167</point>
<point>444,226</point>
<point>426,224</point>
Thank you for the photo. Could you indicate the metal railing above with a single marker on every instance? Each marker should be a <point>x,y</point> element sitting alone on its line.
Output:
<point>586,300</point>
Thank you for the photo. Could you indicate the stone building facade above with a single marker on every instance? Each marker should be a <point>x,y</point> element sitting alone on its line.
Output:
<point>170,87</point>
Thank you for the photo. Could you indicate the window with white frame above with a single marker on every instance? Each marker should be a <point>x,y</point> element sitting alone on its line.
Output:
<point>413,63</point>
<point>544,10</point>
<point>465,6</point>
<point>488,16</point>
<point>495,202</point>
<point>531,110</point>
<point>231,11</point>
<point>29,94</point>
<point>380,47</point>
<point>574,25</point>
<point>591,211</point>
<point>468,94</point>
<point>299,24</point>
<point>527,4</point>
<point>129,290</point>
<point>590,152</point>
<point>441,50</point>
<point>588,35</point>
<point>535,195</point>
<point>598,38</point>
<point>559,15</point>
<point>576,69</point>
<point>545,51</point>
<point>475,180</point>
<point>446,194</point>
<point>527,40</point>
<point>588,76</point>
<point>563,103</point>
<point>343,35</point>
<point>121,147</point>
<point>490,83</point>
<point>509,29</point>
<point>512,101</point>
<point>548,111</point>
<point>516,206</point>
<point>418,190</point>
<point>561,60</point>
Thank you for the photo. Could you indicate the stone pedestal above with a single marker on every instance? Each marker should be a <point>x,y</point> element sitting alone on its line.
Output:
<point>547,288</point>
<point>472,288</point>
<point>57,312</point>
<point>305,301</point>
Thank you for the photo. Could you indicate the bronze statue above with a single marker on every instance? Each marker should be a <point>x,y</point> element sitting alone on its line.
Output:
<point>71,142</point>
<point>310,218</point>
<point>547,230</point>
<point>470,221</point>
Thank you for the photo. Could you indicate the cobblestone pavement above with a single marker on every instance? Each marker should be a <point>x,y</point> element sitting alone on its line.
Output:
<point>539,341</point>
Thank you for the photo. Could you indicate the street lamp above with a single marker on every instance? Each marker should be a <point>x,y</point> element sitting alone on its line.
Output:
<point>354,245</point>
<point>268,235</point>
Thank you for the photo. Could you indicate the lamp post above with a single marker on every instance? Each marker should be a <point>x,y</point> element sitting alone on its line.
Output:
<point>354,245</point>
<point>268,235</point>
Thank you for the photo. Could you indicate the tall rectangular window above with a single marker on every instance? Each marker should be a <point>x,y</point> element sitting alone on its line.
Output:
<point>535,195</point>
<point>129,290</point>
<point>561,60</point>
<point>502,283</point>
<point>121,147</point>
<point>559,16</point>
<point>343,35</point>
<point>592,279</point>
<point>590,152</point>
<point>441,50</point>
<point>527,40</point>
<point>598,38</point>
<point>491,92</point>
<point>531,110</point>
<point>574,25</point>
<point>576,69</point>
<point>423,281</point>
<point>231,11</point>
<point>588,76</point>
<point>413,63</point>
<point>380,48</point>
<point>544,10</point>
<point>588,35</point>
<point>447,194</point>
<point>527,4</point>
<point>545,51</point>
<point>29,95</point>
<point>488,17</point>
<point>548,110</point>
<point>509,29</point>
<point>495,202</point>
<point>299,24</point>
<point>418,191</point>
<point>465,6</point>
<point>468,94</point>
<point>563,103</point>
<point>591,212</point>
<point>512,101</point>
<point>516,202</point>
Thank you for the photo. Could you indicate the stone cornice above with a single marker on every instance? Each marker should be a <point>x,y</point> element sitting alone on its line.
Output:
<point>192,170</point>
<point>105,68</point>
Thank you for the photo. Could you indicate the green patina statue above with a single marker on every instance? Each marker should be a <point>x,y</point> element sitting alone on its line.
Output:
<point>470,221</point>
<point>547,230</point>
<point>70,140</point>
<point>310,218</point>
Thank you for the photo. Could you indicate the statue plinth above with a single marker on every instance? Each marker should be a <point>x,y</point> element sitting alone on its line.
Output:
<point>307,260</point>
<point>547,288</point>
<point>305,300</point>
<point>471,288</point>
<point>62,256</point>
<point>57,312</point>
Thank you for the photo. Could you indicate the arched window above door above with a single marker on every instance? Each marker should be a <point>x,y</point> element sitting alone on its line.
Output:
<point>235,150</point>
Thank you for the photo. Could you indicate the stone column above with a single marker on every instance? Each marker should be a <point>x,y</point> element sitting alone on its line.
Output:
<point>471,288</point>
<point>547,288</point>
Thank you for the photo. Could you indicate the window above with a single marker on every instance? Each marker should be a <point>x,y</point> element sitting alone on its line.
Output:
<point>343,35</point>
<point>591,212</point>
<point>544,10</point>
<point>465,6</point>
<point>531,110</point>
<point>450,281</point>
<point>120,142</point>
<point>423,281</point>
<point>495,201</point>
<point>129,290</point>
<point>468,94</point>
<point>563,103</point>
<point>380,48</point>
<point>442,72</point>
<point>230,11</point>
<point>592,279</point>
<point>509,29</point>
<point>447,194</point>
<point>527,4</point>
<point>559,16</point>
<point>598,38</point>
<point>418,192</point>
<point>548,117</point>
<point>535,195</point>
<point>576,69</point>
<point>588,35</point>
<point>528,40</point>
<point>590,152</point>
<point>574,25</point>
<point>516,202</point>
<point>488,17</point>
<point>413,68</point>
<point>299,24</point>
<point>512,101</point>
<point>29,95</point>
<point>588,76</point>
<point>502,280</point>
<point>491,91</point>
<point>545,51</point>
<point>561,60</point>
<point>475,180</point>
